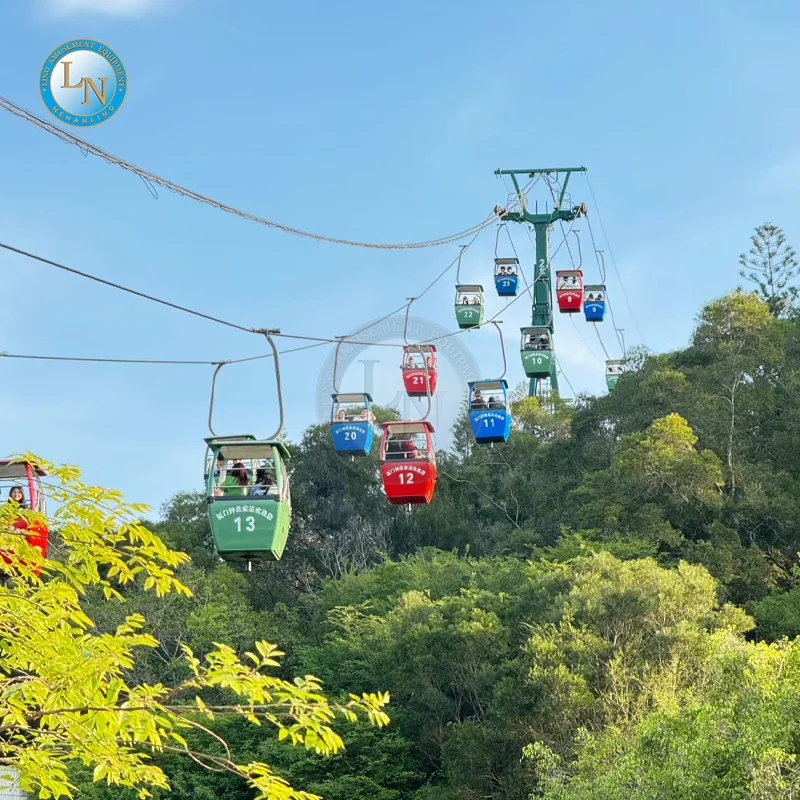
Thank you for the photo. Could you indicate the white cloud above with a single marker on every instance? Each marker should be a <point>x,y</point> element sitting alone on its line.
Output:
<point>115,8</point>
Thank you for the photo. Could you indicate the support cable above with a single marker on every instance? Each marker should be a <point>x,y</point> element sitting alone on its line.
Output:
<point>122,288</point>
<point>502,348</point>
<point>152,298</point>
<point>613,260</point>
<point>151,178</point>
<point>601,262</point>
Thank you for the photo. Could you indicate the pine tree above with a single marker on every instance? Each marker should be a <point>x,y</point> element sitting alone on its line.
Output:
<point>771,264</point>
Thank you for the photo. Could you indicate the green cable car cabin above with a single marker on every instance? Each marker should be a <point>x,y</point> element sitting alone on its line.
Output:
<point>247,492</point>
<point>536,349</point>
<point>469,305</point>
<point>614,368</point>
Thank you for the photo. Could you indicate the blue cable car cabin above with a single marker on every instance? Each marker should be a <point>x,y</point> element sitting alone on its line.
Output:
<point>247,492</point>
<point>506,276</point>
<point>594,302</point>
<point>489,416</point>
<point>351,424</point>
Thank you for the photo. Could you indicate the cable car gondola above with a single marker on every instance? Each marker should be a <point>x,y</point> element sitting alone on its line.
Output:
<point>614,368</point>
<point>247,487</point>
<point>247,491</point>
<point>506,276</point>
<point>408,462</point>
<point>469,305</point>
<point>594,302</point>
<point>419,365</point>
<point>536,350</point>
<point>351,424</point>
<point>488,411</point>
<point>26,478</point>
<point>569,290</point>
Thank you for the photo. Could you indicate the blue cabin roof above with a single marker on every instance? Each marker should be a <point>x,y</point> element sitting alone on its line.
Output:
<point>352,397</point>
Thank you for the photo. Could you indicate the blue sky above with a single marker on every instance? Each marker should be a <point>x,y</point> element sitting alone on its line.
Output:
<point>371,122</point>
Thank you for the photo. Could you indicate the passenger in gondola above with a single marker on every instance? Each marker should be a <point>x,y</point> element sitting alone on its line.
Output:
<point>476,301</point>
<point>590,298</point>
<point>465,301</point>
<point>530,344</point>
<point>407,446</point>
<point>237,480</point>
<point>494,403</point>
<point>544,343</point>
<point>477,400</point>
<point>17,496</point>
<point>265,484</point>
<point>599,298</point>
<point>511,270</point>
<point>341,416</point>
<point>501,270</point>
<point>429,362</point>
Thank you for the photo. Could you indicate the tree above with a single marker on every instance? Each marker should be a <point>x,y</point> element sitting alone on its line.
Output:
<point>771,264</point>
<point>66,695</point>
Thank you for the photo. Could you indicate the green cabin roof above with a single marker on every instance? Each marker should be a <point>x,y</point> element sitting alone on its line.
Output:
<point>246,446</point>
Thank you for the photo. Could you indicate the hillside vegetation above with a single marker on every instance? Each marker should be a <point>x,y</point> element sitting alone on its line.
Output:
<point>604,607</point>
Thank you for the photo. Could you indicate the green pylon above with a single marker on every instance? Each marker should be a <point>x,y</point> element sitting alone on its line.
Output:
<point>542,309</point>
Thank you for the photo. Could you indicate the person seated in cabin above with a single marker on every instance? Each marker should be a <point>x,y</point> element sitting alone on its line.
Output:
<point>393,451</point>
<point>265,485</point>
<point>366,416</point>
<point>429,362</point>
<point>544,342</point>
<point>501,270</point>
<point>530,344</point>
<point>563,283</point>
<point>465,301</point>
<point>411,362</point>
<point>599,298</point>
<point>495,403</point>
<point>341,416</point>
<point>477,400</point>
<point>236,481</point>
<point>17,497</point>
<point>476,301</point>
<point>590,298</point>
<point>511,270</point>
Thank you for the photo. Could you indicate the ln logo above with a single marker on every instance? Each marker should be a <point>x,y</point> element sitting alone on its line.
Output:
<point>83,82</point>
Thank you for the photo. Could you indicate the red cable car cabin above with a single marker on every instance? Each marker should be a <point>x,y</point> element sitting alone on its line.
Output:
<point>408,462</point>
<point>569,290</point>
<point>27,479</point>
<point>416,357</point>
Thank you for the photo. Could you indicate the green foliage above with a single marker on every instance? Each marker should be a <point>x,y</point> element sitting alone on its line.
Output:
<point>771,264</point>
<point>67,697</point>
<point>575,595</point>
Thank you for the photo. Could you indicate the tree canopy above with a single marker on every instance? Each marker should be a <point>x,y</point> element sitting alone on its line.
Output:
<point>605,606</point>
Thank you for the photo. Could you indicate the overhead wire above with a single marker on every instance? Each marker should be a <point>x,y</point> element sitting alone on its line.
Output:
<point>151,178</point>
<point>318,341</point>
<point>613,260</point>
<point>31,357</point>
<point>569,250</point>
<point>122,288</point>
<point>564,376</point>
<point>601,265</point>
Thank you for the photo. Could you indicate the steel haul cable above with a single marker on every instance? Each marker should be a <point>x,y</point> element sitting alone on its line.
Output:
<point>151,178</point>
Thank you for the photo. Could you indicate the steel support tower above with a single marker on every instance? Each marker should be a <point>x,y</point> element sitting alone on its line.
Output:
<point>542,310</point>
